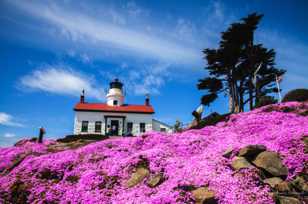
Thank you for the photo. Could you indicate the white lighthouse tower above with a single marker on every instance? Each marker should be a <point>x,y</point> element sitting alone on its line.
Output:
<point>115,95</point>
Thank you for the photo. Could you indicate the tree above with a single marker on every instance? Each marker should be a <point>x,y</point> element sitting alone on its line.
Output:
<point>232,67</point>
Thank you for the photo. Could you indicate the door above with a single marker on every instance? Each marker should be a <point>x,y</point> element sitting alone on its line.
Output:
<point>114,127</point>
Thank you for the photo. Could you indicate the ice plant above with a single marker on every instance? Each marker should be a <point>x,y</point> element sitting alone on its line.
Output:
<point>98,172</point>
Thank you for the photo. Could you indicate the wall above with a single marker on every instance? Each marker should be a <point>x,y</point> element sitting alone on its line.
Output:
<point>135,118</point>
<point>157,126</point>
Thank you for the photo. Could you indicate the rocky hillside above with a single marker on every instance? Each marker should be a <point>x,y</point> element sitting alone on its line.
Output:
<point>254,157</point>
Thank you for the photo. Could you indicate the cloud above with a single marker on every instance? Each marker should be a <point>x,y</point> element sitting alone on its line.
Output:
<point>8,120</point>
<point>79,26</point>
<point>9,135</point>
<point>61,80</point>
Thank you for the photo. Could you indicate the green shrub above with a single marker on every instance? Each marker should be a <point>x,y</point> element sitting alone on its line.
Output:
<point>265,100</point>
<point>296,95</point>
<point>212,119</point>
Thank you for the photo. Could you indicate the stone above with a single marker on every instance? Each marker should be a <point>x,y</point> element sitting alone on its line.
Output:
<point>300,184</point>
<point>251,151</point>
<point>273,181</point>
<point>137,176</point>
<point>271,163</point>
<point>203,195</point>
<point>288,200</point>
<point>155,180</point>
<point>227,154</point>
<point>283,187</point>
<point>240,163</point>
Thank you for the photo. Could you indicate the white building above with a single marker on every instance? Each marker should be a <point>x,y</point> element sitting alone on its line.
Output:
<point>114,117</point>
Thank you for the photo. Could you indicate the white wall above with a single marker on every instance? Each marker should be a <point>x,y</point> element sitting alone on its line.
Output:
<point>92,117</point>
<point>157,126</point>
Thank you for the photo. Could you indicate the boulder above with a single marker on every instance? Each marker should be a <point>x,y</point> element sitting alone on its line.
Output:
<point>251,151</point>
<point>300,184</point>
<point>283,187</point>
<point>271,163</point>
<point>137,176</point>
<point>155,180</point>
<point>227,154</point>
<point>240,163</point>
<point>288,200</point>
<point>273,181</point>
<point>203,195</point>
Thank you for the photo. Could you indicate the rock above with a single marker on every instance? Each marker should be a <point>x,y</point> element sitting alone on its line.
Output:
<point>288,200</point>
<point>300,184</point>
<point>251,151</point>
<point>283,187</point>
<point>273,181</point>
<point>204,196</point>
<point>227,154</point>
<point>240,163</point>
<point>271,162</point>
<point>137,176</point>
<point>155,180</point>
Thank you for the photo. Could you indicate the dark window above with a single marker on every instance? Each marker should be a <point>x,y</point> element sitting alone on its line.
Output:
<point>115,102</point>
<point>84,126</point>
<point>129,127</point>
<point>98,126</point>
<point>163,129</point>
<point>142,127</point>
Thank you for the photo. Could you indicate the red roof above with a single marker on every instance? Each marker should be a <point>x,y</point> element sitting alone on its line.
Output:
<point>102,107</point>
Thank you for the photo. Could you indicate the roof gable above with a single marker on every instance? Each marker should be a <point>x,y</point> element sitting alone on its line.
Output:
<point>103,107</point>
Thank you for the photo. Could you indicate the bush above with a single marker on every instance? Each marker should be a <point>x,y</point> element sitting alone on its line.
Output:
<point>265,100</point>
<point>296,95</point>
<point>212,119</point>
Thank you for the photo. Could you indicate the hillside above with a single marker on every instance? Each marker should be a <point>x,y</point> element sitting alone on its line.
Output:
<point>210,165</point>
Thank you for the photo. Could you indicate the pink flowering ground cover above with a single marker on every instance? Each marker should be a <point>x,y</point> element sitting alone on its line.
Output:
<point>98,172</point>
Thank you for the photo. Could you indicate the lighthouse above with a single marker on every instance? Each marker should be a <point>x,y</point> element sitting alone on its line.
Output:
<point>115,95</point>
<point>114,117</point>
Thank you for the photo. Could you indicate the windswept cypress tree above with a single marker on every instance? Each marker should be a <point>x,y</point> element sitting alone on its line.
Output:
<point>232,66</point>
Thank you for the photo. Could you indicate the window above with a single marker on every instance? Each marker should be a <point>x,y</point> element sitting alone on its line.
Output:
<point>84,126</point>
<point>115,102</point>
<point>142,127</point>
<point>130,127</point>
<point>163,129</point>
<point>98,126</point>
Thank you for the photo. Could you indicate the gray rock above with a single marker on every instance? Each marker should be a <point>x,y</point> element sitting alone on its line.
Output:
<point>288,200</point>
<point>251,151</point>
<point>273,181</point>
<point>271,162</point>
<point>155,180</point>
<point>203,195</point>
<point>240,163</point>
<point>137,176</point>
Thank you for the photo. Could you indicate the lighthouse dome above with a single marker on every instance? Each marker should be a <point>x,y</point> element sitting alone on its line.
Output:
<point>115,95</point>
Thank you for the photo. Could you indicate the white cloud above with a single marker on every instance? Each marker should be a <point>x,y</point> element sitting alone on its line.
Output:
<point>9,135</point>
<point>8,120</point>
<point>61,80</point>
<point>79,27</point>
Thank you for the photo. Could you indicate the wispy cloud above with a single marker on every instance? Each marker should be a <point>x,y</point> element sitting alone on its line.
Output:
<point>9,135</point>
<point>79,27</point>
<point>61,80</point>
<point>8,120</point>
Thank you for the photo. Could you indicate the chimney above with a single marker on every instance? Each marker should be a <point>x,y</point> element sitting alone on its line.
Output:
<point>147,99</point>
<point>82,97</point>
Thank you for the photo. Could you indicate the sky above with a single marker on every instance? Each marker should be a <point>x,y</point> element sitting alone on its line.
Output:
<point>51,50</point>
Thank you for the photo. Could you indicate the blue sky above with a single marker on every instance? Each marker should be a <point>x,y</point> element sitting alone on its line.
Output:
<point>51,50</point>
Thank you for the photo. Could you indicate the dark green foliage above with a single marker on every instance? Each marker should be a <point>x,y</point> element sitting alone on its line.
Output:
<point>72,138</point>
<point>209,98</point>
<point>212,119</point>
<point>48,174</point>
<point>231,67</point>
<point>300,95</point>
<point>265,100</point>
<point>19,193</point>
